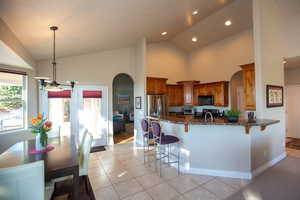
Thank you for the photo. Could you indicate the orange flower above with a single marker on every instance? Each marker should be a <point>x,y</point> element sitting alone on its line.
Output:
<point>34,121</point>
<point>40,117</point>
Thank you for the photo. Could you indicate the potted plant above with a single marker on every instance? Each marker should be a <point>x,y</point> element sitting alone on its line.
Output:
<point>232,115</point>
<point>40,126</point>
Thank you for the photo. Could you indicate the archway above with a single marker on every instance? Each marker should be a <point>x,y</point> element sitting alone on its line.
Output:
<point>123,108</point>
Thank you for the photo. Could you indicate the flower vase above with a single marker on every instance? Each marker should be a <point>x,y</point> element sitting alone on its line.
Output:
<point>40,142</point>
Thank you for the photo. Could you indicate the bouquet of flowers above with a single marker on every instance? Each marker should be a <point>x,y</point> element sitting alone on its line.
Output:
<point>40,126</point>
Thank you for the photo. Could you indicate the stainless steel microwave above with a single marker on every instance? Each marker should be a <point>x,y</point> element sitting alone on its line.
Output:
<point>206,100</point>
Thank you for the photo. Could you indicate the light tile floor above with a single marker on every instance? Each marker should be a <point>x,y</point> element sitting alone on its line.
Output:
<point>119,173</point>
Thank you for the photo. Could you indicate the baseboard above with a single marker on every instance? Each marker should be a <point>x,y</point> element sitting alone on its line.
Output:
<point>220,173</point>
<point>267,165</point>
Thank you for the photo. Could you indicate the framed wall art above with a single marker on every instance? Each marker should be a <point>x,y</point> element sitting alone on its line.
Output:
<point>138,102</point>
<point>274,96</point>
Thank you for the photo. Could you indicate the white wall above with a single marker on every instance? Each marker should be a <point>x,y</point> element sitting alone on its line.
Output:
<point>220,60</point>
<point>140,87</point>
<point>291,76</point>
<point>215,62</point>
<point>97,68</point>
<point>290,12</point>
<point>12,47</point>
<point>7,36</point>
<point>165,60</point>
<point>270,48</point>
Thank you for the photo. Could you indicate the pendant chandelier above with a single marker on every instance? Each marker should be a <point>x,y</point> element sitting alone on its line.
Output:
<point>53,85</point>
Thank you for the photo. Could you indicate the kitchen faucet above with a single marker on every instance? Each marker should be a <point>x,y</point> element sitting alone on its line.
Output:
<point>211,116</point>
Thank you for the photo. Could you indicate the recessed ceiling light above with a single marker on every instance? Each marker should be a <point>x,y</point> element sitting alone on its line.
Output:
<point>194,39</point>
<point>195,12</point>
<point>164,33</point>
<point>228,23</point>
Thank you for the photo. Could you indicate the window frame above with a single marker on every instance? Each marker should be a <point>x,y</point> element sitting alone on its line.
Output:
<point>24,101</point>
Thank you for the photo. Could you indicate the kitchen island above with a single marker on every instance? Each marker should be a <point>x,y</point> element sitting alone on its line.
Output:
<point>218,147</point>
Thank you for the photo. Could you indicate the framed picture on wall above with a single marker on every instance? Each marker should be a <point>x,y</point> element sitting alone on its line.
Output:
<point>123,99</point>
<point>274,96</point>
<point>138,102</point>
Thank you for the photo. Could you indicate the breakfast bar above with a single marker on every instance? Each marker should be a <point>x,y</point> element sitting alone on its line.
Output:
<point>216,147</point>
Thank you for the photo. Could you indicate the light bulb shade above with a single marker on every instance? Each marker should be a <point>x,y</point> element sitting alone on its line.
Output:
<point>53,87</point>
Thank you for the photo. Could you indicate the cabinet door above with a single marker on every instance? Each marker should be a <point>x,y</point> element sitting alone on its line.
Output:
<point>161,86</point>
<point>249,86</point>
<point>150,86</point>
<point>221,94</point>
<point>156,85</point>
<point>175,95</point>
<point>188,93</point>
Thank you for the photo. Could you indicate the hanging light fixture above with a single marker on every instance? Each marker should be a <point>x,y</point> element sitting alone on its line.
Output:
<point>53,85</point>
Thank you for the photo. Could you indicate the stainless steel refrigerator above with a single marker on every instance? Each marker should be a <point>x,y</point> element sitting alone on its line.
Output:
<point>156,105</point>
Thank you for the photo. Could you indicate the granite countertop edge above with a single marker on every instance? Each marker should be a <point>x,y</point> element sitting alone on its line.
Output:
<point>176,120</point>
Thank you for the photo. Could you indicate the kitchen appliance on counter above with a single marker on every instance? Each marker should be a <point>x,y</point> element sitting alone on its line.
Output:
<point>206,100</point>
<point>188,110</point>
<point>156,105</point>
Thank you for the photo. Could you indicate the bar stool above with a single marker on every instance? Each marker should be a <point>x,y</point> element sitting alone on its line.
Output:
<point>147,136</point>
<point>163,140</point>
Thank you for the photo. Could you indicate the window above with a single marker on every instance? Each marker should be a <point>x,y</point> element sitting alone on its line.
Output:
<point>11,100</point>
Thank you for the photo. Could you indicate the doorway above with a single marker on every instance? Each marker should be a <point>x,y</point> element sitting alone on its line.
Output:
<point>292,99</point>
<point>123,109</point>
<point>72,111</point>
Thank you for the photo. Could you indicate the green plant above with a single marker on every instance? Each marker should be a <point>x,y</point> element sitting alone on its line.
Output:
<point>232,113</point>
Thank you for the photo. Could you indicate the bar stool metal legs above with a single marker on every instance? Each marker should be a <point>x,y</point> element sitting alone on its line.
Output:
<point>147,135</point>
<point>162,145</point>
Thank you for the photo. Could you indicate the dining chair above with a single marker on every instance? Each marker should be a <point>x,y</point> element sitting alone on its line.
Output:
<point>54,132</point>
<point>24,182</point>
<point>83,158</point>
<point>84,155</point>
<point>82,134</point>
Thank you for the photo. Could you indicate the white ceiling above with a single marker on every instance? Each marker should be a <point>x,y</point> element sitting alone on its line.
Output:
<point>9,57</point>
<point>88,26</point>
<point>292,62</point>
<point>212,28</point>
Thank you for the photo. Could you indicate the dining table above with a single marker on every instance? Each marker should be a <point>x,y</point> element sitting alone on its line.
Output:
<point>60,162</point>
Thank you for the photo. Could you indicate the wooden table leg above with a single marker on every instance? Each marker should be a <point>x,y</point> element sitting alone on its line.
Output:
<point>76,187</point>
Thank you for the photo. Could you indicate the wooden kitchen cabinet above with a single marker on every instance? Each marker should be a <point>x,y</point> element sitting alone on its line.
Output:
<point>188,92</point>
<point>249,86</point>
<point>217,89</point>
<point>174,95</point>
<point>221,94</point>
<point>156,85</point>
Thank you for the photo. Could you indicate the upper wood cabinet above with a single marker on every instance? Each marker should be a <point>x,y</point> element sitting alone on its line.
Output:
<point>156,85</point>
<point>221,94</point>
<point>188,92</point>
<point>174,95</point>
<point>217,89</point>
<point>249,86</point>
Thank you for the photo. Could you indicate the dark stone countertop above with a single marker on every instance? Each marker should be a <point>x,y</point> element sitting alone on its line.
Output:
<point>186,119</point>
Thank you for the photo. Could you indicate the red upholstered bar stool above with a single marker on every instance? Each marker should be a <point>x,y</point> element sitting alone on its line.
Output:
<point>162,141</point>
<point>147,136</point>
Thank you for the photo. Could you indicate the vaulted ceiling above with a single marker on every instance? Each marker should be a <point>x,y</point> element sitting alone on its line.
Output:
<point>88,26</point>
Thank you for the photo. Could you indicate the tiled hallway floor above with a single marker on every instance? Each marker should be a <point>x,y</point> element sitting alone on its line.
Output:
<point>119,173</point>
